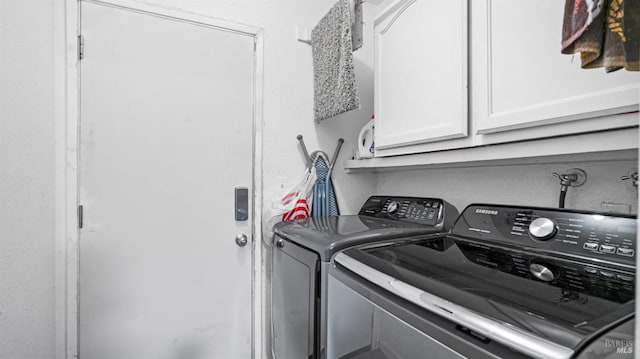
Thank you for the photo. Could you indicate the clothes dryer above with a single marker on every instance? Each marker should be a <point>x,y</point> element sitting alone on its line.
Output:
<point>303,250</point>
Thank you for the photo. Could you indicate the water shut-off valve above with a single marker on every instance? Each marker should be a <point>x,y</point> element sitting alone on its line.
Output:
<point>634,177</point>
<point>574,177</point>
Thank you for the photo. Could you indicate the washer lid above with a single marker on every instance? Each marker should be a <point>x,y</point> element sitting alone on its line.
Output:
<point>490,290</point>
<point>327,235</point>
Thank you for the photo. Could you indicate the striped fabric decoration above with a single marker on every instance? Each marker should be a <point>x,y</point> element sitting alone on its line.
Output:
<point>300,209</point>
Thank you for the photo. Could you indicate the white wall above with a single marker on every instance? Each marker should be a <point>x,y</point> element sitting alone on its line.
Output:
<point>532,184</point>
<point>26,180</point>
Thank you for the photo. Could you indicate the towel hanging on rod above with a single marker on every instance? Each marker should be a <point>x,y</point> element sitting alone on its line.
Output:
<point>334,84</point>
<point>355,6</point>
<point>357,25</point>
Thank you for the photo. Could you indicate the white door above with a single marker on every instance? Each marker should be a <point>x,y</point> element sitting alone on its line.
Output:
<point>165,136</point>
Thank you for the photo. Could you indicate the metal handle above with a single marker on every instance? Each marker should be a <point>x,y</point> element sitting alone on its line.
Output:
<point>241,240</point>
<point>307,158</point>
<point>335,154</point>
<point>279,243</point>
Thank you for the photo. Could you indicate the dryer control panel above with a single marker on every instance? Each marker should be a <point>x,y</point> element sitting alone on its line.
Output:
<point>421,210</point>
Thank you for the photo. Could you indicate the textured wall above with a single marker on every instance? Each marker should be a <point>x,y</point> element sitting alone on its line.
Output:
<point>26,180</point>
<point>532,185</point>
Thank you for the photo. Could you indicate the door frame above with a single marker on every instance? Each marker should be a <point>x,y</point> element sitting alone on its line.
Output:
<point>67,120</point>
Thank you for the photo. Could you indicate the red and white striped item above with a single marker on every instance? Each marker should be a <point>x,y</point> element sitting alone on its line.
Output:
<point>300,208</point>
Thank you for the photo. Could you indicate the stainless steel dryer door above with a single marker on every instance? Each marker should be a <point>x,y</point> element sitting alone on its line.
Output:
<point>294,300</point>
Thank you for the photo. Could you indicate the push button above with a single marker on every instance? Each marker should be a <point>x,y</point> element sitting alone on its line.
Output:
<point>591,246</point>
<point>607,274</point>
<point>590,270</point>
<point>607,249</point>
<point>625,278</point>
<point>626,252</point>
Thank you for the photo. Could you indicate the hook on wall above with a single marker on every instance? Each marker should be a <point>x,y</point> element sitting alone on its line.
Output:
<point>310,158</point>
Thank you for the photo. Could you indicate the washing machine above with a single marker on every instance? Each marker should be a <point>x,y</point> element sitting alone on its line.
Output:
<point>304,248</point>
<point>505,282</point>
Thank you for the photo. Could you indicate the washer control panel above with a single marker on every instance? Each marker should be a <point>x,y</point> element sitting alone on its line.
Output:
<point>609,237</point>
<point>428,211</point>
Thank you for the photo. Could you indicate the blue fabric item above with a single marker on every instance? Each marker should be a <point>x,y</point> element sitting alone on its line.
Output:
<point>324,198</point>
<point>331,199</point>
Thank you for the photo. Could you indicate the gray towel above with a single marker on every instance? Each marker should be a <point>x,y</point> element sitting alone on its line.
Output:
<point>334,79</point>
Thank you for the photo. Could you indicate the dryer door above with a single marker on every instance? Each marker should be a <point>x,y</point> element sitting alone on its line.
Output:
<point>294,300</point>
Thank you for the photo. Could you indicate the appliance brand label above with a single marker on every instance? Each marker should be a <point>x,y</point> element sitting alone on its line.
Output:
<point>487,211</point>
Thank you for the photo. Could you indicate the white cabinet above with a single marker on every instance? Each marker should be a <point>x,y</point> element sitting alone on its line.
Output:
<point>521,80</point>
<point>420,72</point>
<point>522,89</point>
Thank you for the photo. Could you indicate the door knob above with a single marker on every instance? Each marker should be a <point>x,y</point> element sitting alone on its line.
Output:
<point>241,240</point>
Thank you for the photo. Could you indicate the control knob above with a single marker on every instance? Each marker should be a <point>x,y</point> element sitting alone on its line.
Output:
<point>542,272</point>
<point>393,207</point>
<point>542,229</point>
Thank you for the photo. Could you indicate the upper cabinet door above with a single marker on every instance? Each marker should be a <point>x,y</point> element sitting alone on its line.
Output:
<point>420,72</point>
<point>523,81</point>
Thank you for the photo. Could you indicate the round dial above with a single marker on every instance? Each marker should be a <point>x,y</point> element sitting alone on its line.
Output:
<point>542,272</point>
<point>393,207</point>
<point>542,229</point>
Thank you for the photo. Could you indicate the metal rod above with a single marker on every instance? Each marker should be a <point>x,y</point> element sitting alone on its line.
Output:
<point>307,158</point>
<point>335,154</point>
